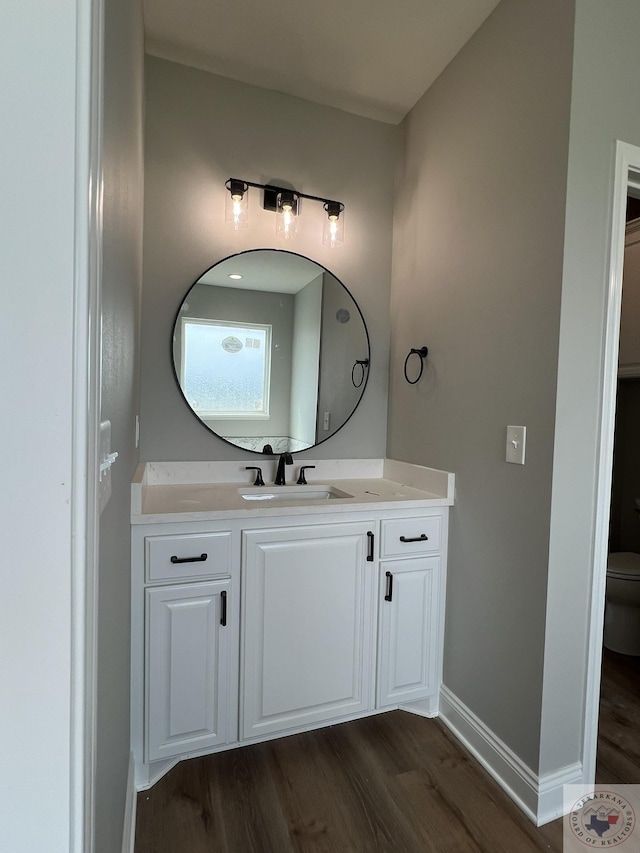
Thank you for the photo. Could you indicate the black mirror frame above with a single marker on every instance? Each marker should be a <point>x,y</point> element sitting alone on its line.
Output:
<point>175,373</point>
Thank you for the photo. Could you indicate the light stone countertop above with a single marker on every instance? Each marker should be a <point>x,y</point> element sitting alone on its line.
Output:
<point>164,492</point>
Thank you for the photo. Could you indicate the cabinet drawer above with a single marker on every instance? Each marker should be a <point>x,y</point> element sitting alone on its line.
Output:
<point>405,536</point>
<point>170,558</point>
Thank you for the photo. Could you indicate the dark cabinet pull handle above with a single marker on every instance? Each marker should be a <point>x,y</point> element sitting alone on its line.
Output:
<point>389,593</point>
<point>370,554</point>
<point>199,559</point>
<point>422,538</point>
<point>223,617</point>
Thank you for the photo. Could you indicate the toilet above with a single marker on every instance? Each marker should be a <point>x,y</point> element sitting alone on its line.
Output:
<point>622,611</point>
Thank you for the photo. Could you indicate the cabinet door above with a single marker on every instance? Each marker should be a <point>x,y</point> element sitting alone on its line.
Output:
<point>187,660</point>
<point>308,625</point>
<point>407,633</point>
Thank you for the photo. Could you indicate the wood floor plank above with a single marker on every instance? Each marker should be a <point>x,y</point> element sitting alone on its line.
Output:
<point>439,824</point>
<point>381,824</point>
<point>176,808</point>
<point>241,789</point>
<point>434,821</point>
<point>359,803</point>
<point>619,721</point>
<point>474,799</point>
<point>317,819</point>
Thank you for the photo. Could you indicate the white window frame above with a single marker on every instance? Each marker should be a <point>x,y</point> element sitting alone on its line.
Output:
<point>232,416</point>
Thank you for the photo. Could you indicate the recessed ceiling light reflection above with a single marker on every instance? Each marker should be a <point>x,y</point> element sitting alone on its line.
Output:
<point>235,276</point>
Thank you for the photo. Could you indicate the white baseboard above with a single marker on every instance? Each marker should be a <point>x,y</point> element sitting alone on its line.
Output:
<point>421,707</point>
<point>540,798</point>
<point>550,794</point>
<point>129,829</point>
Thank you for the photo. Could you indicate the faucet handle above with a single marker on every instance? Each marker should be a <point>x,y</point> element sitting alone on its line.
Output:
<point>302,480</point>
<point>259,481</point>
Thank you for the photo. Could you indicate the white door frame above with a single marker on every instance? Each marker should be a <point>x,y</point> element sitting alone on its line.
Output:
<point>627,162</point>
<point>87,360</point>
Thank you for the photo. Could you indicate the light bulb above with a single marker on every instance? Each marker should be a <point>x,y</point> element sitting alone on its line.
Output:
<point>237,210</point>
<point>287,214</point>
<point>333,228</point>
<point>236,213</point>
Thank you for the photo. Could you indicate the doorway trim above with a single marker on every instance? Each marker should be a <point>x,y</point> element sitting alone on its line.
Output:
<point>86,386</point>
<point>627,175</point>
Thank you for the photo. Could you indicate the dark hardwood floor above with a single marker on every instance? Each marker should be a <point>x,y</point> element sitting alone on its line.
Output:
<point>619,723</point>
<point>393,783</point>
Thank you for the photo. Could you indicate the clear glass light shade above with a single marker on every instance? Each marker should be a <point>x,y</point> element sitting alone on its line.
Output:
<point>236,209</point>
<point>288,204</point>
<point>333,227</point>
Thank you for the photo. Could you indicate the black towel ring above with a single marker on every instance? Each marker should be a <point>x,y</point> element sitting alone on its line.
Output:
<point>422,352</point>
<point>363,363</point>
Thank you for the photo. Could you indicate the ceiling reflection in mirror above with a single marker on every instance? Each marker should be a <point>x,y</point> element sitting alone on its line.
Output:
<point>271,351</point>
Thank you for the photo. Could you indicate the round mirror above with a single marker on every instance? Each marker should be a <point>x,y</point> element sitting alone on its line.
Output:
<point>271,351</point>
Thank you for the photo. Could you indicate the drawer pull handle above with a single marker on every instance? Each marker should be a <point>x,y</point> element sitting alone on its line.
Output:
<point>422,538</point>
<point>199,559</point>
<point>223,617</point>
<point>389,593</point>
<point>370,553</point>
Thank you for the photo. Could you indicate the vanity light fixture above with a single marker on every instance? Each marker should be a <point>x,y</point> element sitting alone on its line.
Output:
<point>236,209</point>
<point>285,203</point>
<point>333,229</point>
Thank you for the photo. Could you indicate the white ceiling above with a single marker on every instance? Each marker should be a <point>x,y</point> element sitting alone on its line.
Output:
<point>264,269</point>
<point>374,58</point>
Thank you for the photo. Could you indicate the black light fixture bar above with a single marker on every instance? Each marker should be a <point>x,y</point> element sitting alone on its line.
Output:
<point>271,194</point>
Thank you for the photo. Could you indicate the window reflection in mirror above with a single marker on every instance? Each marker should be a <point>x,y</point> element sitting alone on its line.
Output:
<point>264,347</point>
<point>225,368</point>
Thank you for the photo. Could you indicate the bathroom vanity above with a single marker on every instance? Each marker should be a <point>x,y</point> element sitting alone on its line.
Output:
<point>260,612</point>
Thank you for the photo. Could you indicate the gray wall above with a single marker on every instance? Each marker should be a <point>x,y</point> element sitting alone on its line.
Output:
<point>121,285</point>
<point>201,130</point>
<point>477,275</point>
<point>606,78</point>
<point>341,345</point>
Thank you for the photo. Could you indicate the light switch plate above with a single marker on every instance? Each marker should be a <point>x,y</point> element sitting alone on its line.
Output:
<point>516,443</point>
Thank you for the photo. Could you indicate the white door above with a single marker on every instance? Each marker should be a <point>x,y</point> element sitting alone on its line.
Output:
<point>308,624</point>
<point>187,668</point>
<point>408,630</point>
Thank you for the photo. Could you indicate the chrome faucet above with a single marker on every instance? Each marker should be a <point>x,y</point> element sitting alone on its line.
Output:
<point>285,459</point>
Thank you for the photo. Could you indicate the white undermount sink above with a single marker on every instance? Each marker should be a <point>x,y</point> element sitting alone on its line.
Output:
<point>311,492</point>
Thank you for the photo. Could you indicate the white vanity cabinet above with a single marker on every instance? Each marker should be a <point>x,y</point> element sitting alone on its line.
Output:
<point>410,609</point>
<point>308,616</point>
<point>245,628</point>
